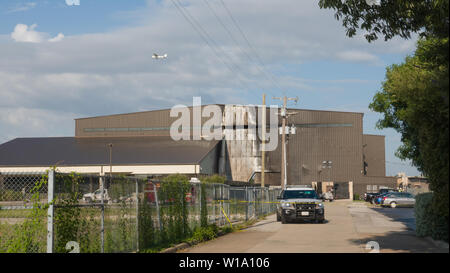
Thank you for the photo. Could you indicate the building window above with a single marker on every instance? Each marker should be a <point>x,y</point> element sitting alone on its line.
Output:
<point>125,129</point>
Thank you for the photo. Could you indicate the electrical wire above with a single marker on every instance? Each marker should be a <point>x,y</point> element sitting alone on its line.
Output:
<point>238,44</point>
<point>236,24</point>
<point>208,40</point>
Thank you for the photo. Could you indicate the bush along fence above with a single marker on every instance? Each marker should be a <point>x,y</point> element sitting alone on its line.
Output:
<point>56,212</point>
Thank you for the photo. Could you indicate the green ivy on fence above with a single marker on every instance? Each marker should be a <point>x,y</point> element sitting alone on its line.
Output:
<point>174,211</point>
<point>72,222</point>
<point>29,236</point>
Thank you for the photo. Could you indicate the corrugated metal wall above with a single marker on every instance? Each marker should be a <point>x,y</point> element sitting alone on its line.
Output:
<point>330,136</point>
<point>365,183</point>
<point>374,155</point>
<point>320,136</point>
<point>155,123</point>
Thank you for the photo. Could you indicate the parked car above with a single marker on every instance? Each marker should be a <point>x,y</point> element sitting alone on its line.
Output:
<point>378,198</point>
<point>96,196</point>
<point>369,195</point>
<point>398,199</point>
<point>373,197</point>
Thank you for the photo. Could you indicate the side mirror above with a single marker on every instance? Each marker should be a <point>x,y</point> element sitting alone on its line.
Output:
<point>279,197</point>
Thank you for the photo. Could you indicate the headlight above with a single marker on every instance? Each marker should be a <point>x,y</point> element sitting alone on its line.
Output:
<point>287,205</point>
<point>320,205</point>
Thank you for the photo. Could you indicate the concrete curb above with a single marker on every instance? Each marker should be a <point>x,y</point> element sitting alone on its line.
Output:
<point>175,248</point>
<point>437,243</point>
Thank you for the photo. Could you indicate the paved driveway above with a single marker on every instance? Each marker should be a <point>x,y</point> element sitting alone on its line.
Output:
<point>349,227</point>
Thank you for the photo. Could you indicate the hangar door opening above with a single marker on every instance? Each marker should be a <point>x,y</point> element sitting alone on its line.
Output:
<point>341,190</point>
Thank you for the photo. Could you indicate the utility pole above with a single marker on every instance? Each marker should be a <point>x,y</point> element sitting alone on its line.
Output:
<point>283,139</point>
<point>263,156</point>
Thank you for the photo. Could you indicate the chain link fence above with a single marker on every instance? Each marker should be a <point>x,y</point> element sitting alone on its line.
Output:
<point>113,214</point>
<point>23,219</point>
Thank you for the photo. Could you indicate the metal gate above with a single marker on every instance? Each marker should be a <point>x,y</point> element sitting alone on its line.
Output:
<point>341,190</point>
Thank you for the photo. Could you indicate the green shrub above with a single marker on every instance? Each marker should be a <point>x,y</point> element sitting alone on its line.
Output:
<point>428,221</point>
<point>227,229</point>
<point>202,234</point>
<point>218,179</point>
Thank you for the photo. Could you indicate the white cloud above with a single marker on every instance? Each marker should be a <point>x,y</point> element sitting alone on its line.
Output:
<point>357,56</point>
<point>22,7</point>
<point>34,122</point>
<point>57,38</point>
<point>23,33</point>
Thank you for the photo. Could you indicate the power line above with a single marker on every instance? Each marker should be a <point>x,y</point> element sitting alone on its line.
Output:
<point>205,36</point>
<point>237,42</point>
<point>236,24</point>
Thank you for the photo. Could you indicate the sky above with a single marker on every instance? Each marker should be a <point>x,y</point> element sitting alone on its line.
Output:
<point>67,59</point>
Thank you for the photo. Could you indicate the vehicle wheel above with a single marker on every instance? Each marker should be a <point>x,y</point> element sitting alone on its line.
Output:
<point>88,200</point>
<point>393,205</point>
<point>283,220</point>
<point>320,221</point>
<point>278,218</point>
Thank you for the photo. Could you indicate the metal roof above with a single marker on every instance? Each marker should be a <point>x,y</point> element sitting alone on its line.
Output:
<point>71,151</point>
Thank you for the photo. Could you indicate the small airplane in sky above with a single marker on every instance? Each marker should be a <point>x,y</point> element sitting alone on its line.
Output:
<point>156,56</point>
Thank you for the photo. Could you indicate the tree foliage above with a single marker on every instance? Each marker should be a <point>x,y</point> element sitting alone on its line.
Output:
<point>415,95</point>
<point>414,101</point>
<point>391,17</point>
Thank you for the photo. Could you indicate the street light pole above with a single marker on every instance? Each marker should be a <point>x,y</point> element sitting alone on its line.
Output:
<point>263,155</point>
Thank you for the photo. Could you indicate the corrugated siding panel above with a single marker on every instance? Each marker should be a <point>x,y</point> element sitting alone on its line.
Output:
<point>150,119</point>
<point>374,152</point>
<point>310,146</point>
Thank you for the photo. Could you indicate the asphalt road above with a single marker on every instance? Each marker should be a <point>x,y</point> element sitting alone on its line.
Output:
<point>349,227</point>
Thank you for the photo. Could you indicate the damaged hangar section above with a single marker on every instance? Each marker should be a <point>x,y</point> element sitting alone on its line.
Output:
<point>142,145</point>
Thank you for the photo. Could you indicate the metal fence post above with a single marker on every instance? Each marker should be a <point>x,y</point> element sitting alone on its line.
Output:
<point>227,191</point>
<point>221,220</point>
<point>157,206</point>
<point>137,215</point>
<point>199,202</point>
<point>254,202</point>
<point>102,218</point>
<point>246,204</point>
<point>214,202</point>
<point>50,197</point>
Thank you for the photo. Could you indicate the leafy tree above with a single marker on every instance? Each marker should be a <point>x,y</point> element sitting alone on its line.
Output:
<point>415,95</point>
<point>414,101</point>
<point>391,18</point>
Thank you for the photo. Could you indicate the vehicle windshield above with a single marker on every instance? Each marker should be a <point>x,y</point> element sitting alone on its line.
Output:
<point>310,194</point>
